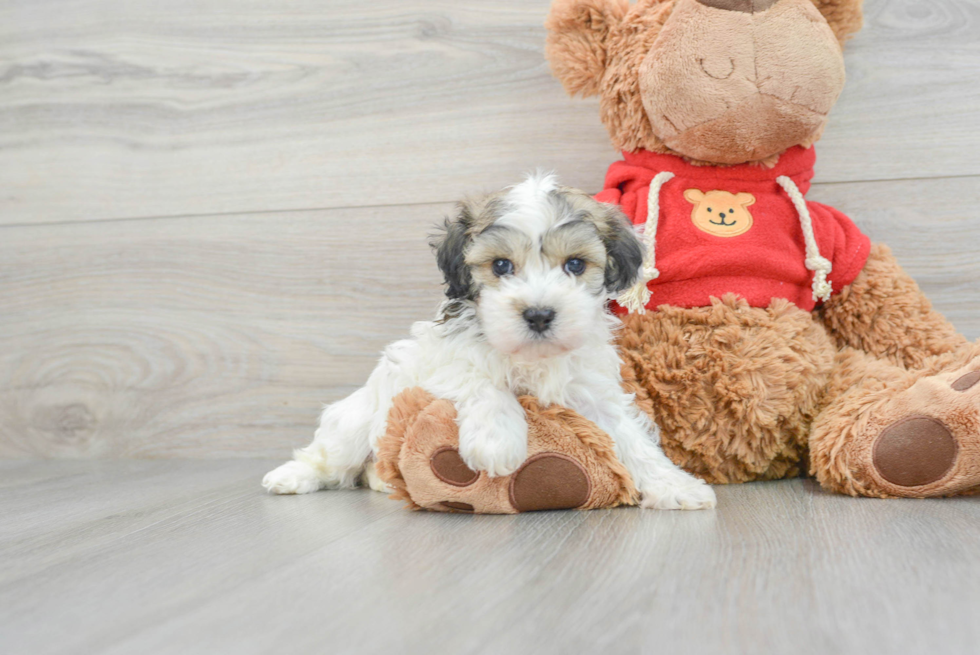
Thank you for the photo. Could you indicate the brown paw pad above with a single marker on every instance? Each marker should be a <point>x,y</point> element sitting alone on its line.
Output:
<point>449,467</point>
<point>549,481</point>
<point>914,451</point>
<point>966,382</point>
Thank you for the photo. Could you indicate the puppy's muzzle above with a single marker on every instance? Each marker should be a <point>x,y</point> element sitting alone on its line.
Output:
<point>539,319</point>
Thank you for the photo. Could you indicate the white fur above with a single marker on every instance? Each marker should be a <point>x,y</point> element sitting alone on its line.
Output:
<point>482,360</point>
<point>532,213</point>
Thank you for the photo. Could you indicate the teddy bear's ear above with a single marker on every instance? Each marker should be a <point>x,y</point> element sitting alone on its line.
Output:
<point>576,45</point>
<point>745,199</point>
<point>845,16</point>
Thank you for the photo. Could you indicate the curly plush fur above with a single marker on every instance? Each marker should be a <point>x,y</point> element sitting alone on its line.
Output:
<point>884,313</point>
<point>734,388</point>
<point>579,56</point>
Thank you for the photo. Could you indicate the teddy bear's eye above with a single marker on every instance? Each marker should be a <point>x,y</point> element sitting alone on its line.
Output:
<point>731,211</point>
<point>709,209</point>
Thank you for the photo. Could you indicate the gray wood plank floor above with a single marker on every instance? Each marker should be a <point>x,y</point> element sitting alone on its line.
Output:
<point>192,557</point>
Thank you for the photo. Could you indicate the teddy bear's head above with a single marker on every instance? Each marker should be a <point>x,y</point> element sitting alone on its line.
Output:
<point>716,81</point>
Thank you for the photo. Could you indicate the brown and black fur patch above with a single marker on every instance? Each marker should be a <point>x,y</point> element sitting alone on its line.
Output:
<point>470,242</point>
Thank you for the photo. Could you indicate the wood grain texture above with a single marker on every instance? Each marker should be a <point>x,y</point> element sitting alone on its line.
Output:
<point>223,336</point>
<point>136,108</point>
<point>192,557</point>
<point>181,336</point>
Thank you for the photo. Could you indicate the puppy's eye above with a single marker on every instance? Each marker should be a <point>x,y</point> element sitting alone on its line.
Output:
<point>502,267</point>
<point>575,266</point>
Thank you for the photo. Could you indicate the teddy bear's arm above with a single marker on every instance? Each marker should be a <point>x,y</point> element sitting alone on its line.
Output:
<point>884,313</point>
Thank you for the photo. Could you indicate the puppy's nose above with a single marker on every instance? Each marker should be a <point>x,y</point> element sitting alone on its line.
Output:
<point>539,318</point>
<point>745,6</point>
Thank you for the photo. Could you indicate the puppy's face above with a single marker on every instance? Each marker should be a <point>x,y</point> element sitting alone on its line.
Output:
<point>539,261</point>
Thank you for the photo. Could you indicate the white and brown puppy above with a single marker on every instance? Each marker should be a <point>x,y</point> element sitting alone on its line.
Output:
<point>529,271</point>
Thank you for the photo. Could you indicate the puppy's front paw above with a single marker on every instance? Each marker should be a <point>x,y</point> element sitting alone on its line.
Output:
<point>678,494</point>
<point>292,478</point>
<point>372,480</point>
<point>498,448</point>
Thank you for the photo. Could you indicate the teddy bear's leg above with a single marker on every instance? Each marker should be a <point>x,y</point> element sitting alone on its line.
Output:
<point>903,417</point>
<point>733,388</point>
<point>884,313</point>
<point>893,432</point>
<point>572,463</point>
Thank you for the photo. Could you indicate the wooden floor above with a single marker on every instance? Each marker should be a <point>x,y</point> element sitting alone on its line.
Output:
<point>192,557</point>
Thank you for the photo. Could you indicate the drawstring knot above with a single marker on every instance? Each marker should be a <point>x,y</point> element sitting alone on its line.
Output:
<point>821,266</point>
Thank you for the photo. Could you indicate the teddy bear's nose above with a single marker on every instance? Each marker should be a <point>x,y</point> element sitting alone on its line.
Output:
<point>745,6</point>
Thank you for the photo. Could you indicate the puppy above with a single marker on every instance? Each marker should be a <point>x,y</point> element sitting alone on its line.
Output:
<point>528,271</point>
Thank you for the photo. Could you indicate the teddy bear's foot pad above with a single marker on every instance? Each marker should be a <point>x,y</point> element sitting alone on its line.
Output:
<point>549,481</point>
<point>545,481</point>
<point>448,465</point>
<point>914,451</point>
<point>966,382</point>
<point>928,439</point>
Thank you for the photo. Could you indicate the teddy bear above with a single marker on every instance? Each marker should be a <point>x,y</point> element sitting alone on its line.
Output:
<point>768,337</point>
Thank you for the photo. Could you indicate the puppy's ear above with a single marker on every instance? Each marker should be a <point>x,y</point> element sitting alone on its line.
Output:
<point>576,46</point>
<point>624,252</point>
<point>450,246</point>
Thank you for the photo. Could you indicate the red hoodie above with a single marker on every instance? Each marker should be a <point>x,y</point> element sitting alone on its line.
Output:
<point>734,230</point>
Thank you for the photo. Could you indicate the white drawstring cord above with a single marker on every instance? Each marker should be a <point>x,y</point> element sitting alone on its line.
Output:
<point>635,298</point>
<point>821,266</point>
